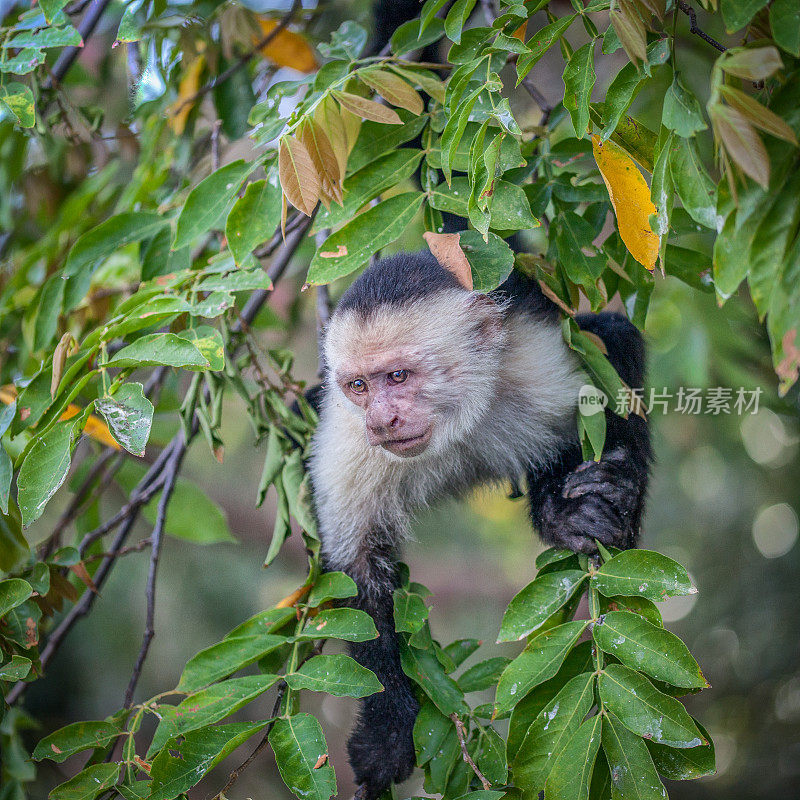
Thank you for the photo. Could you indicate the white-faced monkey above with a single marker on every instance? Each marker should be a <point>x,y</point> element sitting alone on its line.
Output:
<point>430,390</point>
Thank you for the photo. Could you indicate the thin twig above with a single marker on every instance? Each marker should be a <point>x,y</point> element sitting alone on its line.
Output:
<point>539,99</point>
<point>123,551</point>
<point>460,732</point>
<point>69,54</point>
<point>243,60</point>
<point>695,29</point>
<point>170,476</point>
<point>215,144</point>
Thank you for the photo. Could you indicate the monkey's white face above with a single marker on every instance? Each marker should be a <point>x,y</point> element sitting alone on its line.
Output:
<point>418,374</point>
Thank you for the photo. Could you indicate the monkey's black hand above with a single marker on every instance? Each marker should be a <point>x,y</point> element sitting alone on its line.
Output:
<point>598,500</point>
<point>381,747</point>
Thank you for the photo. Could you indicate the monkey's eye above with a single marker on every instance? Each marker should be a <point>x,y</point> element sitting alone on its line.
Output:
<point>398,376</point>
<point>359,386</point>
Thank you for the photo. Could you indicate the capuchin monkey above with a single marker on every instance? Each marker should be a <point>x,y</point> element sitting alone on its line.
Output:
<point>431,390</point>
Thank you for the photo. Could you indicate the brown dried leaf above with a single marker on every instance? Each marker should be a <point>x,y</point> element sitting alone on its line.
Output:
<point>751,63</point>
<point>789,368</point>
<point>741,141</point>
<point>321,151</point>
<point>601,345</point>
<point>82,573</point>
<point>392,88</point>
<point>299,178</point>
<point>367,109</point>
<point>446,249</point>
<point>352,127</point>
<point>328,117</point>
<point>758,114</point>
<point>321,761</point>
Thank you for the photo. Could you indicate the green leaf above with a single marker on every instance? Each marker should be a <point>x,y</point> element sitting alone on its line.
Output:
<point>410,611</point>
<point>63,36</point>
<point>686,764</point>
<point>87,784</point>
<point>538,662</point>
<point>331,586</point>
<point>424,668</point>
<point>75,738</point>
<point>641,645</point>
<point>461,649</point>
<point>13,592</point>
<point>491,756</point>
<point>540,43</point>
<point>17,98</point>
<point>637,605</point>
<point>646,711</point>
<point>363,236</point>
<point>209,200</point>
<point>225,657</point>
<point>254,217</point>
<point>737,13</point>
<point>160,349</point>
<point>207,707</point>
<point>209,342</point>
<point>349,624</point>
<point>299,744</point>
<point>408,37</point>
<point>571,775</point>
<point>483,675</point>
<point>784,19</point>
<point>45,468</point>
<point>271,620</point>
<point>375,139</point>
<point>682,112</point>
<point>619,96</point>
<point>632,772</point>
<point>574,236</point>
<point>129,30</point>
<point>370,181</point>
<point>551,556</point>
<point>185,760</point>
<point>13,545</point>
<point>579,78</point>
<point>21,624</point>
<point>50,8</point>
<point>99,243</point>
<point>431,728</point>
<point>510,210</point>
<point>240,280</point>
<point>644,573</point>
<point>549,734</point>
<point>428,13</point>
<point>17,669</point>
<point>337,674</point>
<point>129,415</point>
<point>530,608</point>
<point>456,18</point>
<point>693,184</point>
<point>491,262</point>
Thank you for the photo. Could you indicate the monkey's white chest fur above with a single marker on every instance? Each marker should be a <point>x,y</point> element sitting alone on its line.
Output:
<point>524,415</point>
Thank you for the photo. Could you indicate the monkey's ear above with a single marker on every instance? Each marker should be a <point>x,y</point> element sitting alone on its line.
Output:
<point>489,317</point>
<point>447,251</point>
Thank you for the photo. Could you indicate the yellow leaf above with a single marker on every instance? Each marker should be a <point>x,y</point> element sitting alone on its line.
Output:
<point>630,196</point>
<point>189,84</point>
<point>287,49</point>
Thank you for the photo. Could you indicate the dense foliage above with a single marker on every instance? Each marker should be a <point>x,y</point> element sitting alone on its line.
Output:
<point>143,232</point>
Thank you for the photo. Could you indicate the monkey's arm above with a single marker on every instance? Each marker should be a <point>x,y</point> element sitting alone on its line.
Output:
<point>574,502</point>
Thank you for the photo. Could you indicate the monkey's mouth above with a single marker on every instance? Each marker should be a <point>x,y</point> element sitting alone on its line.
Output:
<point>411,446</point>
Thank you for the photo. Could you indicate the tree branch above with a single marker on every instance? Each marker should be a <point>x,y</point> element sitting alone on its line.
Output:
<point>69,54</point>
<point>693,27</point>
<point>460,732</point>
<point>170,476</point>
